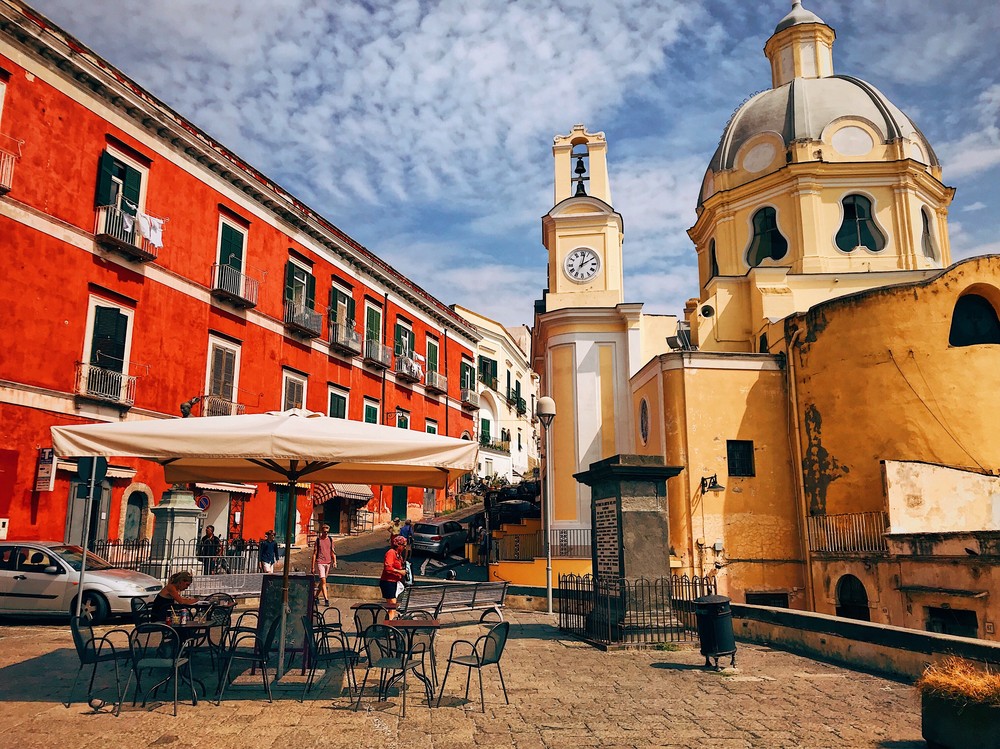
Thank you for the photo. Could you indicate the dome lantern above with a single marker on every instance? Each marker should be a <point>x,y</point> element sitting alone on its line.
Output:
<point>801,47</point>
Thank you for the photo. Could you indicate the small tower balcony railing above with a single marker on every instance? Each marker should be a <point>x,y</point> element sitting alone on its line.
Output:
<point>437,382</point>
<point>849,533</point>
<point>105,385</point>
<point>345,338</point>
<point>118,231</point>
<point>376,354</point>
<point>234,287</point>
<point>302,321</point>
<point>407,369</point>
<point>470,399</point>
<point>216,405</point>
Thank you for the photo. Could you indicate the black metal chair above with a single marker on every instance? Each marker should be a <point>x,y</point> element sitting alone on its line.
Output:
<point>425,638</point>
<point>214,639</point>
<point>157,647</point>
<point>93,650</point>
<point>142,611</point>
<point>485,651</point>
<point>326,647</point>
<point>248,645</point>
<point>365,615</point>
<point>386,651</point>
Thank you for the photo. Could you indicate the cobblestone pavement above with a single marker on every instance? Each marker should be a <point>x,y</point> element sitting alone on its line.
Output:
<point>563,693</point>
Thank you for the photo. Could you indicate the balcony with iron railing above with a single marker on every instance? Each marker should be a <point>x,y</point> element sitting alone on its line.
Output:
<point>500,446</point>
<point>407,369</point>
<point>345,338</point>
<point>300,320</point>
<point>10,152</point>
<point>571,543</point>
<point>470,399</point>
<point>216,405</point>
<point>521,406</point>
<point>437,382</point>
<point>377,354</point>
<point>849,533</point>
<point>118,231</point>
<point>104,385</point>
<point>234,287</point>
<point>488,381</point>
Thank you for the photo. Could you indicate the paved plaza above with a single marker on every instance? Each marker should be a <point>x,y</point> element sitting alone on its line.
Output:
<point>563,693</point>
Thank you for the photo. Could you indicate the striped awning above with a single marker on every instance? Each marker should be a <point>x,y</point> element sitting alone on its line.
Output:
<point>231,488</point>
<point>325,492</point>
<point>114,472</point>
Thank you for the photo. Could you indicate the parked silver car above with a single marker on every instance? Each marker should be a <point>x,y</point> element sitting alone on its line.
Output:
<point>43,577</point>
<point>438,536</point>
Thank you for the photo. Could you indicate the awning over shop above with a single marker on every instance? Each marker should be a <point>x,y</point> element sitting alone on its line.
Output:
<point>114,472</point>
<point>231,488</point>
<point>325,492</point>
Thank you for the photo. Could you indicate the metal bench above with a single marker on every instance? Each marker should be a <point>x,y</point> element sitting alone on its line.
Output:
<point>456,598</point>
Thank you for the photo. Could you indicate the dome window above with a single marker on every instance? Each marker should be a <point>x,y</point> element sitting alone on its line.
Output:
<point>859,228</point>
<point>974,322</point>
<point>767,241</point>
<point>926,243</point>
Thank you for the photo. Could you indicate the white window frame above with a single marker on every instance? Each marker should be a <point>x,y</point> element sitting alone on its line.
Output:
<point>218,241</point>
<point>431,426</point>
<point>139,167</point>
<point>308,271</point>
<point>214,341</point>
<point>437,362</point>
<point>408,327</point>
<point>372,403</point>
<point>3,91</point>
<point>402,417</point>
<point>88,339</point>
<point>348,294</point>
<point>378,330</point>
<point>344,393</point>
<point>287,377</point>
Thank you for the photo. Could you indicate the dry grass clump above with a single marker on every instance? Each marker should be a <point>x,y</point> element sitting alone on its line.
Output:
<point>959,679</point>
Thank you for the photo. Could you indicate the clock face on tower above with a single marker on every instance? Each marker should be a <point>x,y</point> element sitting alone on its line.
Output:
<point>581,265</point>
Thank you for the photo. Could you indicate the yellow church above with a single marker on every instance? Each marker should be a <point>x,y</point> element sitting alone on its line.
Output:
<point>825,394</point>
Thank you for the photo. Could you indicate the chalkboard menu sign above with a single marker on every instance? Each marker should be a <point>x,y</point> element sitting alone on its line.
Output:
<point>299,605</point>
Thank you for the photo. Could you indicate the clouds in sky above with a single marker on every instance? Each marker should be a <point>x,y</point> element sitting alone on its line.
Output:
<point>423,129</point>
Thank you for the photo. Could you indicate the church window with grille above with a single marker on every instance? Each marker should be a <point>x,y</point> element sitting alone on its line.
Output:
<point>858,228</point>
<point>767,241</point>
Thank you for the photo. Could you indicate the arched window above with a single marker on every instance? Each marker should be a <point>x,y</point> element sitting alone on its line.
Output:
<point>852,599</point>
<point>974,322</point>
<point>713,260</point>
<point>767,241</point>
<point>859,228</point>
<point>926,243</point>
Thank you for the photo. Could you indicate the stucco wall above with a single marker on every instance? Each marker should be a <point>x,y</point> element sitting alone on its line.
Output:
<point>926,498</point>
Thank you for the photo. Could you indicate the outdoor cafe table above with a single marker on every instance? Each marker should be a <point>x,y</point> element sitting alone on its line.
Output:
<point>409,627</point>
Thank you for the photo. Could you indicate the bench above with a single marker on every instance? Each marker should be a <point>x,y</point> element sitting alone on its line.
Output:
<point>455,598</point>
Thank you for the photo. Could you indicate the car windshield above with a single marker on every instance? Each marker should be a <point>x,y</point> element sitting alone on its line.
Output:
<point>426,529</point>
<point>73,556</point>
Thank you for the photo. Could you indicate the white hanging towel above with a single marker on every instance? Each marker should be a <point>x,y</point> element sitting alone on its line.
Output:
<point>143,222</point>
<point>155,232</point>
<point>127,222</point>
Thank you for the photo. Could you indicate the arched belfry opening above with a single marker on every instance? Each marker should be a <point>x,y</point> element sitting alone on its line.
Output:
<point>580,162</point>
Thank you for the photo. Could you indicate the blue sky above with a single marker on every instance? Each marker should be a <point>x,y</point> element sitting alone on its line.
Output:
<point>424,129</point>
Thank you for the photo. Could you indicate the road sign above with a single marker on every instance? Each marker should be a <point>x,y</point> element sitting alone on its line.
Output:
<point>203,502</point>
<point>87,465</point>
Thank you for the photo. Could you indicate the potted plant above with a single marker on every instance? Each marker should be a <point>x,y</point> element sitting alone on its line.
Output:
<point>960,705</point>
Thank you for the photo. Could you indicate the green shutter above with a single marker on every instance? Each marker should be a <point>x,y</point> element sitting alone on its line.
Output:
<point>107,349</point>
<point>310,291</point>
<point>398,338</point>
<point>130,190</point>
<point>289,281</point>
<point>338,406</point>
<point>351,310</point>
<point>231,248</point>
<point>484,430</point>
<point>105,171</point>
<point>334,304</point>
<point>432,356</point>
<point>373,324</point>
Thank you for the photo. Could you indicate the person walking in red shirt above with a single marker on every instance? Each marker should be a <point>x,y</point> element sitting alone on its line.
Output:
<point>393,570</point>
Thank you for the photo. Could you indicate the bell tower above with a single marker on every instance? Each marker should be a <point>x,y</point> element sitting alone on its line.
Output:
<point>582,232</point>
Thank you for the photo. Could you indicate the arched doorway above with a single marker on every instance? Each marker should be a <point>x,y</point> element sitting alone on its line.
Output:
<point>133,516</point>
<point>852,599</point>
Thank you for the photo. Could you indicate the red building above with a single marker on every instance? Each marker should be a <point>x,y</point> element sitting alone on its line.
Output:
<point>145,266</point>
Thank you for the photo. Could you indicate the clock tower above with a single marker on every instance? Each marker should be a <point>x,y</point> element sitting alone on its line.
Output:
<point>582,232</point>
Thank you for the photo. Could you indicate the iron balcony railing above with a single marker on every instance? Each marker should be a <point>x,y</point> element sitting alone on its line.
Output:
<point>345,337</point>
<point>436,381</point>
<point>233,286</point>
<point>850,533</point>
<point>117,230</point>
<point>105,385</point>
<point>215,405</point>
<point>7,160</point>
<point>470,398</point>
<point>488,381</point>
<point>407,369</point>
<point>302,321</point>
<point>502,446</point>
<point>571,543</point>
<point>521,406</point>
<point>377,354</point>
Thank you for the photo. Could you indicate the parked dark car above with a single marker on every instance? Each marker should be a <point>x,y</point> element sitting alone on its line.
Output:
<point>513,511</point>
<point>439,537</point>
<point>529,490</point>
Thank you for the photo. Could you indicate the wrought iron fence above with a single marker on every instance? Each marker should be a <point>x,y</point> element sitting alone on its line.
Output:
<point>105,384</point>
<point>851,532</point>
<point>231,566</point>
<point>616,611</point>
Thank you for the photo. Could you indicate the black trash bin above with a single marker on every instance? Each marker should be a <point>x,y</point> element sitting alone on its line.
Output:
<point>715,628</point>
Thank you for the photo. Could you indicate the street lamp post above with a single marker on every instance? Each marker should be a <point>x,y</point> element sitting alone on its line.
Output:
<point>545,410</point>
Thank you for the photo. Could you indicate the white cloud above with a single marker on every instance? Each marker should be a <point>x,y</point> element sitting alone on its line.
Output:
<point>977,206</point>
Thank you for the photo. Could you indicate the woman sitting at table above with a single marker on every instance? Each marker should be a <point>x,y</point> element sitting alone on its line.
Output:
<point>170,595</point>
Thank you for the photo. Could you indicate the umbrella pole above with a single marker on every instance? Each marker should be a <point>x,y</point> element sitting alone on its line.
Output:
<point>289,532</point>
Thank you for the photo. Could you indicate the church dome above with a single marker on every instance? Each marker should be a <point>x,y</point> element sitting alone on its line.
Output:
<point>798,15</point>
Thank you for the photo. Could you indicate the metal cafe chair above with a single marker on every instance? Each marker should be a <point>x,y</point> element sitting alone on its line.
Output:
<point>326,647</point>
<point>425,639</point>
<point>94,650</point>
<point>157,647</point>
<point>248,645</point>
<point>365,615</point>
<point>386,651</point>
<point>142,611</point>
<point>485,651</point>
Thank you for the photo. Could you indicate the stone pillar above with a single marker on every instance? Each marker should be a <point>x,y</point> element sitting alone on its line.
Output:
<point>629,516</point>
<point>175,533</point>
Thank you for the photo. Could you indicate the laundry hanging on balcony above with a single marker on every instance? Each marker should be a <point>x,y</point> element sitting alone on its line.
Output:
<point>151,229</point>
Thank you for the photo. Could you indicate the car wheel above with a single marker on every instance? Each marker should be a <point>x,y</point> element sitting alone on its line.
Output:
<point>445,551</point>
<point>94,606</point>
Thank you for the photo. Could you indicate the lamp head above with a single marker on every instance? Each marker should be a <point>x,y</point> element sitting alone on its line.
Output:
<point>711,484</point>
<point>545,410</point>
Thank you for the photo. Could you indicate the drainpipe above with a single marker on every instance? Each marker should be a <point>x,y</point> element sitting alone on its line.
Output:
<point>447,397</point>
<point>801,507</point>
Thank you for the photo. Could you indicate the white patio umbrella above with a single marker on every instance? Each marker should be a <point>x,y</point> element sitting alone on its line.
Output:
<point>286,446</point>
